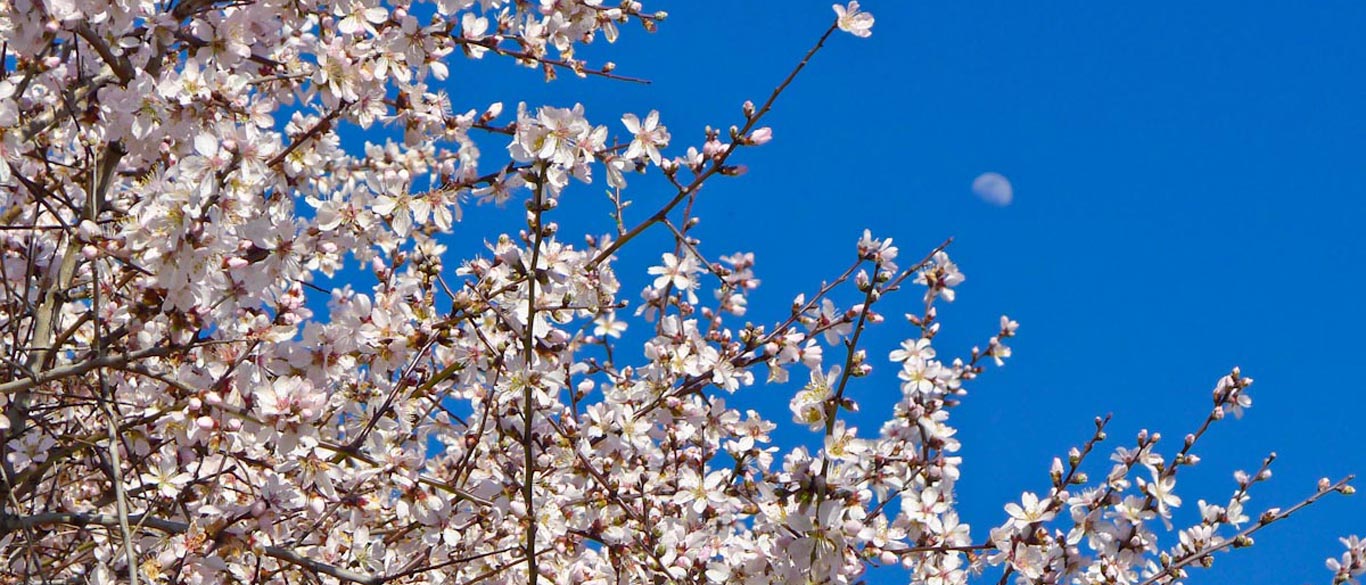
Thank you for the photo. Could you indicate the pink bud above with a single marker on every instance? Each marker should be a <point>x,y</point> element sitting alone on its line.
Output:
<point>761,136</point>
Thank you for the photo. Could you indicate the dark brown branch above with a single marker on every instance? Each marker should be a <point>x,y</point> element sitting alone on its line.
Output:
<point>10,522</point>
<point>112,361</point>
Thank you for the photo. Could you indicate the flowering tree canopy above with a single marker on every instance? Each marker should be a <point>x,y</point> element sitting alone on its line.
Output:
<point>179,406</point>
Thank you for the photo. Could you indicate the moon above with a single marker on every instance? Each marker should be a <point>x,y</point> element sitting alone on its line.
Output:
<point>993,188</point>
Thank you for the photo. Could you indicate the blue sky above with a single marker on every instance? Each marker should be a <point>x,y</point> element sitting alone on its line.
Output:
<point>1188,177</point>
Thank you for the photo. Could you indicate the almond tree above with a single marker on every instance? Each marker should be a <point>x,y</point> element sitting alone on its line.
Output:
<point>175,189</point>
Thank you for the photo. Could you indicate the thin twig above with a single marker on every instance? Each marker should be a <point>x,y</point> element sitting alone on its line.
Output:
<point>1241,539</point>
<point>718,162</point>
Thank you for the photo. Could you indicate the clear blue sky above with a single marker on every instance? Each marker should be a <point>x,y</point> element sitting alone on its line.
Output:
<point>1189,184</point>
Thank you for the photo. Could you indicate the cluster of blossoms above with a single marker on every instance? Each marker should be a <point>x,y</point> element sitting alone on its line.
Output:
<point>1352,564</point>
<point>184,402</point>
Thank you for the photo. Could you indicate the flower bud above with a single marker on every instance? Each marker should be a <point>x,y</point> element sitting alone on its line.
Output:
<point>88,230</point>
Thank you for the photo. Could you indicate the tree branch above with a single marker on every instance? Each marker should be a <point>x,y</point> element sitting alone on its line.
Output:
<point>11,522</point>
<point>113,361</point>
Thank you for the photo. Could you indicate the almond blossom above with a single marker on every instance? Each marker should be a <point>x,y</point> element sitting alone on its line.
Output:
<point>647,136</point>
<point>854,21</point>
